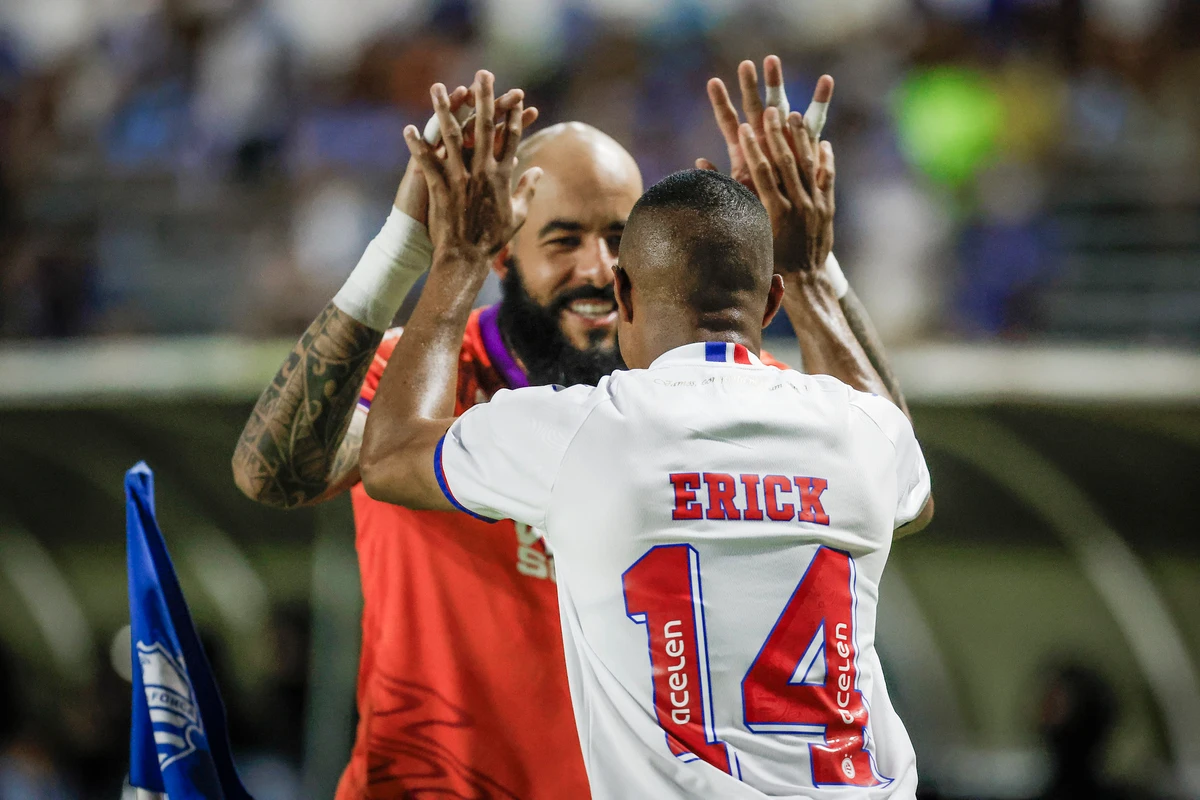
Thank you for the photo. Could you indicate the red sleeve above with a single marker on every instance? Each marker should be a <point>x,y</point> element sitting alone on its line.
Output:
<point>766,358</point>
<point>378,364</point>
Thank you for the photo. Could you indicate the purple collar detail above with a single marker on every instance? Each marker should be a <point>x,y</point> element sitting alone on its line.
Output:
<point>493,342</point>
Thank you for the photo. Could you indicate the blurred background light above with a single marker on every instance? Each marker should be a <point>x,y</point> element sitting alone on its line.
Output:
<point>949,121</point>
<point>185,183</point>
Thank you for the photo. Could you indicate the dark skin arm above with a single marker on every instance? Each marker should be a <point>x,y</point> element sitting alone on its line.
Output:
<point>799,198</point>
<point>472,215</point>
<point>752,106</point>
<point>301,444</point>
<point>414,406</point>
<point>796,186</point>
<point>864,331</point>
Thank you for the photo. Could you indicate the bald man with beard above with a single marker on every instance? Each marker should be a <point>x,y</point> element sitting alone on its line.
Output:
<point>462,688</point>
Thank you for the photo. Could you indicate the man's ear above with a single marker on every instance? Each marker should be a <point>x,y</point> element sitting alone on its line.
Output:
<point>774,299</point>
<point>623,291</point>
<point>500,262</point>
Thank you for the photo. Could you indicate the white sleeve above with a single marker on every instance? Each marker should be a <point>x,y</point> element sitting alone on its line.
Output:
<point>499,459</point>
<point>912,475</point>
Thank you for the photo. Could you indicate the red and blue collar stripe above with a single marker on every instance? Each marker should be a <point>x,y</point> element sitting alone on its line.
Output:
<point>726,352</point>
<point>708,353</point>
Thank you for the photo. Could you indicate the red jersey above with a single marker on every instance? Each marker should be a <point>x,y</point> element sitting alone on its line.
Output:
<point>462,683</point>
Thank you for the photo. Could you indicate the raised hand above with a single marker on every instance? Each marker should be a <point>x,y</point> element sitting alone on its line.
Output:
<point>752,105</point>
<point>412,197</point>
<point>473,210</point>
<point>794,178</point>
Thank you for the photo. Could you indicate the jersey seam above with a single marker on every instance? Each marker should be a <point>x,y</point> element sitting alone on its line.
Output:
<point>865,413</point>
<point>921,508</point>
<point>443,482</point>
<point>896,452</point>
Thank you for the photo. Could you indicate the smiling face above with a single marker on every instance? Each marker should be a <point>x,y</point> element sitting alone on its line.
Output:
<point>566,250</point>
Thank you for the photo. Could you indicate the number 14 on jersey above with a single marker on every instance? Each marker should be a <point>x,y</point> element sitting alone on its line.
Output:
<point>804,679</point>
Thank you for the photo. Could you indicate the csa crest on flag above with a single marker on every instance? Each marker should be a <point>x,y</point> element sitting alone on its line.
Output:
<point>177,719</point>
<point>172,703</point>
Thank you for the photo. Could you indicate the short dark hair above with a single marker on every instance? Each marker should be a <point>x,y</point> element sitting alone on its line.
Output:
<point>707,192</point>
<point>700,235</point>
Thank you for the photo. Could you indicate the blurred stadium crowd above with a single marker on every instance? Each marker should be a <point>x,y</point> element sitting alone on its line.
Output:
<point>1016,169</point>
<point>1008,168</point>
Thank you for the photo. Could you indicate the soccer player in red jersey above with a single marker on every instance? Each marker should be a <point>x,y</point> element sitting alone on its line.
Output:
<point>484,710</point>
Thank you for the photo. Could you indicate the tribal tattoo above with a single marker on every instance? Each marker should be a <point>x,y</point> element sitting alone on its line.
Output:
<point>291,451</point>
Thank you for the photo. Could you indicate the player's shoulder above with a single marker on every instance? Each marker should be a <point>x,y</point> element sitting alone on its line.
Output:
<point>825,390</point>
<point>866,413</point>
<point>568,399</point>
<point>546,416</point>
<point>879,413</point>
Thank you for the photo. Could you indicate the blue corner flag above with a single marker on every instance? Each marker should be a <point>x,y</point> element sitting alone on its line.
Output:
<point>179,743</point>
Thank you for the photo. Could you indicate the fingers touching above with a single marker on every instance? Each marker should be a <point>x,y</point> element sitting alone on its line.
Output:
<point>427,159</point>
<point>723,110</point>
<point>470,175</point>
<point>485,118</point>
<point>509,99</point>
<point>804,148</point>
<point>773,76</point>
<point>752,105</point>
<point>783,158</point>
<point>754,108</point>
<point>458,97</point>
<point>782,177</point>
<point>761,172</point>
<point>452,134</point>
<point>510,137</point>
<point>456,141</point>
<point>462,105</point>
<point>825,178</point>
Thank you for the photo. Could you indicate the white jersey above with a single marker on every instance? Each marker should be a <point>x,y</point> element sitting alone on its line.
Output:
<point>719,530</point>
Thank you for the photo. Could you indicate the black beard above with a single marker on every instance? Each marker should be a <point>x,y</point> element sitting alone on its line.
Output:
<point>534,332</point>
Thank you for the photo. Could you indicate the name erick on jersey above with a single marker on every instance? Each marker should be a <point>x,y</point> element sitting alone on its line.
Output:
<point>719,531</point>
<point>462,687</point>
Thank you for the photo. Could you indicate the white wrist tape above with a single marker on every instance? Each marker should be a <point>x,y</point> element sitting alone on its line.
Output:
<point>393,261</point>
<point>777,96</point>
<point>833,271</point>
<point>814,118</point>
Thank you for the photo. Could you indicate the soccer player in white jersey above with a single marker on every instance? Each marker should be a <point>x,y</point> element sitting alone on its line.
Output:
<point>720,527</point>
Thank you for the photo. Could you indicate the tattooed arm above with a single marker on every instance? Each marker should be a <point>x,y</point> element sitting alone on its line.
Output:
<point>301,444</point>
<point>299,447</point>
<point>864,331</point>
